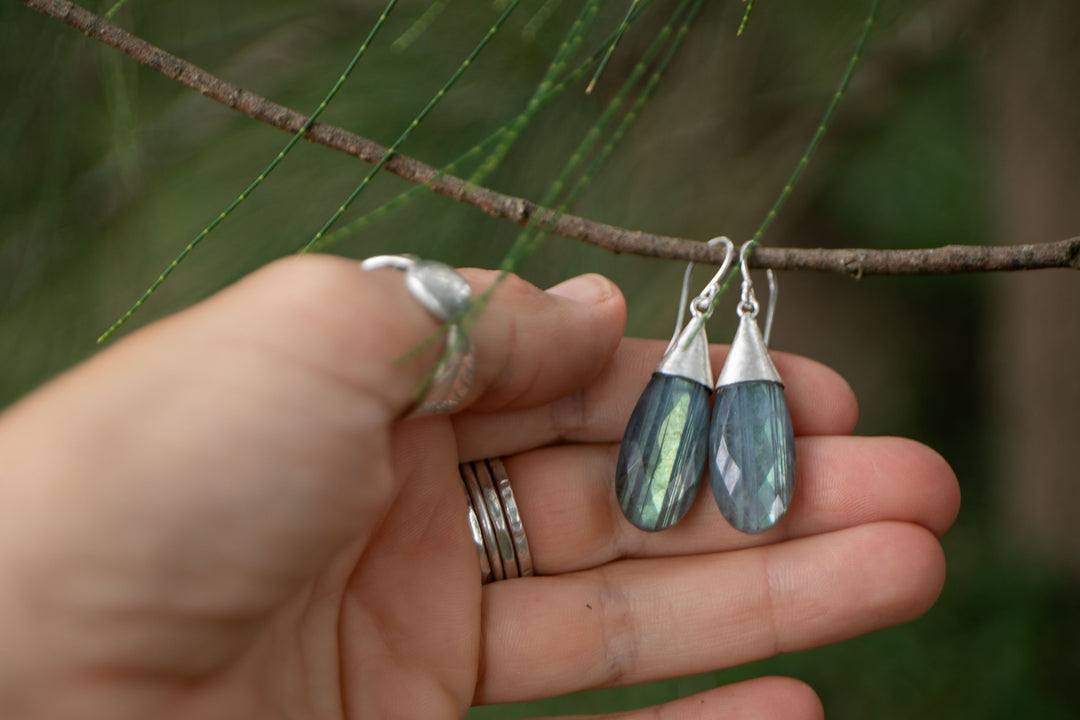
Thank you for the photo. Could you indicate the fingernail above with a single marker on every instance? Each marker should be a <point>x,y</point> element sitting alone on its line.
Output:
<point>586,289</point>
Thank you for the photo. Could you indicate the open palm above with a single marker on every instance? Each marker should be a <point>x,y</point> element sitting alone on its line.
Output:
<point>236,525</point>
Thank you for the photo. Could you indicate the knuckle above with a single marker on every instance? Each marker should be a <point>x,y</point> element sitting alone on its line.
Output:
<point>569,416</point>
<point>619,629</point>
<point>305,290</point>
<point>315,312</point>
<point>309,276</point>
<point>506,377</point>
<point>512,283</point>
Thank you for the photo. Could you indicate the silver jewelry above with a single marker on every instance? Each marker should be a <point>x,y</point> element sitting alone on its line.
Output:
<point>478,538</point>
<point>664,447</point>
<point>504,543</point>
<point>446,295</point>
<point>513,517</point>
<point>498,532</point>
<point>489,545</point>
<point>751,443</point>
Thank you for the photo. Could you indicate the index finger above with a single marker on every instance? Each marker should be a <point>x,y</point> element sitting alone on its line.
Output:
<point>820,400</point>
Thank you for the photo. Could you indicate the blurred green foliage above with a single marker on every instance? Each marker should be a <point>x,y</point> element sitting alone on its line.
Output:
<point>110,169</point>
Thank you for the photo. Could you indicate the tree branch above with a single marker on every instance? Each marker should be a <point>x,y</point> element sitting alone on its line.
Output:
<point>854,262</point>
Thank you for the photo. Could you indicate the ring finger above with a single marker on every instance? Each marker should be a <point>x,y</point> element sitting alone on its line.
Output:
<point>638,621</point>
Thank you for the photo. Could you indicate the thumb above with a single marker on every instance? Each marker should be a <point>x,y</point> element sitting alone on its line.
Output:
<point>159,499</point>
<point>208,465</point>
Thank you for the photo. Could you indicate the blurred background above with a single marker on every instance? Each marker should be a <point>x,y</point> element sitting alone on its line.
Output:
<point>961,127</point>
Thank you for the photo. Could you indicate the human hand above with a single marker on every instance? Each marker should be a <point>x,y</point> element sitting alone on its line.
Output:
<point>220,517</point>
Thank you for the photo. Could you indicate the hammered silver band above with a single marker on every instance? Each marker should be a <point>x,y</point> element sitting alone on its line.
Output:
<point>446,295</point>
<point>494,520</point>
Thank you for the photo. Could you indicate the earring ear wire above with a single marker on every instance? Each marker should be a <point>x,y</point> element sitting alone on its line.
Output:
<point>774,291</point>
<point>717,281</point>
<point>774,287</point>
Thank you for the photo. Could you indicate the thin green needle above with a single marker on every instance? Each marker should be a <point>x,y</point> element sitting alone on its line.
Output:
<point>527,240</point>
<point>635,111</point>
<point>838,96</point>
<point>512,131</point>
<point>540,18</point>
<point>525,244</point>
<point>745,17</point>
<point>368,218</point>
<point>115,9</point>
<point>418,28</point>
<point>575,36</point>
<point>614,43</point>
<point>412,126</point>
<point>546,91</point>
<point>258,180</point>
<point>505,131</point>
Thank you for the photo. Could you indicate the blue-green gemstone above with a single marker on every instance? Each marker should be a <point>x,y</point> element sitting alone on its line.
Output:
<point>752,454</point>
<point>662,458</point>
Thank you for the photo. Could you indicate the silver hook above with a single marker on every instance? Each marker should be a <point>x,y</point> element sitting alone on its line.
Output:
<point>708,293</point>
<point>748,303</point>
<point>774,291</point>
<point>682,303</point>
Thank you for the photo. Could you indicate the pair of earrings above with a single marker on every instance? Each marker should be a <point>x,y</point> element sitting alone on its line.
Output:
<point>749,444</point>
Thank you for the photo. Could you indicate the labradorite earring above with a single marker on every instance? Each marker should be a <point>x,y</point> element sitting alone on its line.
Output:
<point>664,449</point>
<point>751,442</point>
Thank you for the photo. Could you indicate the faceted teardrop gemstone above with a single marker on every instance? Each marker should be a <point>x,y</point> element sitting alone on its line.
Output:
<point>752,454</point>
<point>662,458</point>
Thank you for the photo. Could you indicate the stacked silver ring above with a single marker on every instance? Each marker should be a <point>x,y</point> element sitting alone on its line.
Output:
<point>501,545</point>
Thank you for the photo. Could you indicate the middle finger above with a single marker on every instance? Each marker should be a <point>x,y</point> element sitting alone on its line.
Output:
<point>569,510</point>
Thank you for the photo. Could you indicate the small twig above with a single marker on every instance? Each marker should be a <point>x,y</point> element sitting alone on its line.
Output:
<point>948,260</point>
<point>855,262</point>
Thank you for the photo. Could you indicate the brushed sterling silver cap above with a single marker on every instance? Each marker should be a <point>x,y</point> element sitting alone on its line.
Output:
<point>748,359</point>
<point>688,356</point>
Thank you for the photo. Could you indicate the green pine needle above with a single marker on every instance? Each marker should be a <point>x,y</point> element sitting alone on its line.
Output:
<point>540,18</point>
<point>745,17</point>
<point>630,14</point>
<point>418,28</point>
<point>315,240</point>
<point>506,135</point>
<point>635,111</point>
<point>115,9</point>
<point>823,126</point>
<point>255,183</point>
<point>529,238</point>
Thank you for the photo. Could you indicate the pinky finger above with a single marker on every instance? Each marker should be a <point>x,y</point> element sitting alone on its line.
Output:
<point>759,699</point>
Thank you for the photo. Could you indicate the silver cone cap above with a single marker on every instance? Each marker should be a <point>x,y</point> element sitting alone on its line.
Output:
<point>748,360</point>
<point>688,356</point>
